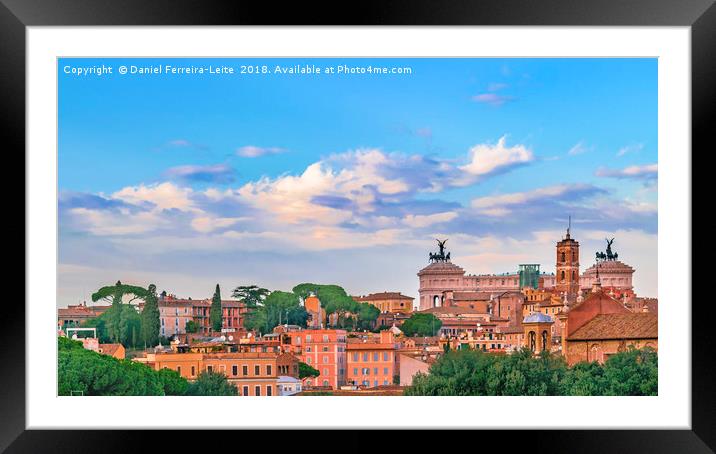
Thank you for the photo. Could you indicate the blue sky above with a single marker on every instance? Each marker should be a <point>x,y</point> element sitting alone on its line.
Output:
<point>180,179</point>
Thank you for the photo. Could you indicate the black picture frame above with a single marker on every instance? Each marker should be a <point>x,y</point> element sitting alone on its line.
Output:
<point>700,15</point>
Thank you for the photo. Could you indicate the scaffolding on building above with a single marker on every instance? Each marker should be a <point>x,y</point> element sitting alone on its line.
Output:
<point>529,275</point>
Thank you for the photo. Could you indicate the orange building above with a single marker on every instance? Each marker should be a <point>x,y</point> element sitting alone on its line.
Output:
<point>316,314</point>
<point>231,317</point>
<point>394,302</point>
<point>325,350</point>
<point>600,326</point>
<point>74,315</point>
<point>254,374</point>
<point>175,313</point>
<point>114,350</point>
<point>371,362</point>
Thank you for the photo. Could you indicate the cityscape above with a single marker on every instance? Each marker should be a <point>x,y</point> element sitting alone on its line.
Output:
<point>359,254</point>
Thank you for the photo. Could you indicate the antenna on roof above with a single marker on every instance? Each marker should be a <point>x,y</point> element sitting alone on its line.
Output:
<point>569,225</point>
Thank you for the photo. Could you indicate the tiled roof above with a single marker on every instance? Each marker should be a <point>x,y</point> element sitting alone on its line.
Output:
<point>618,326</point>
<point>383,296</point>
<point>109,349</point>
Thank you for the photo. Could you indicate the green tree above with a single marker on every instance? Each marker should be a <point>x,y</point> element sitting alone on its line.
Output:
<point>216,318</point>
<point>191,327</point>
<point>632,372</point>
<point>127,332</point>
<point>421,324</point>
<point>172,382</point>
<point>251,295</point>
<point>477,373</point>
<point>335,300</point>
<point>116,324</point>
<point>278,308</point>
<point>211,384</point>
<point>304,371</point>
<point>89,373</point>
<point>150,317</point>
<point>584,379</point>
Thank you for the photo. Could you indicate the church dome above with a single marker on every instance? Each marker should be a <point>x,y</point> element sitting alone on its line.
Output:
<point>537,317</point>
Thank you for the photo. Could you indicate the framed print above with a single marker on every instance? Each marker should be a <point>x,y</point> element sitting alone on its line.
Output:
<point>461,216</point>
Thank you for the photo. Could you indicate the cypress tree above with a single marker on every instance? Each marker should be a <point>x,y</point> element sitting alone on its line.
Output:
<point>216,311</point>
<point>150,317</point>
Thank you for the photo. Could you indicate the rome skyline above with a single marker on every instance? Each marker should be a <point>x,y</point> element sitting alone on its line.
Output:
<point>363,173</point>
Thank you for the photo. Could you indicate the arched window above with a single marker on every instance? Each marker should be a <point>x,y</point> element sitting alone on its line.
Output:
<point>436,301</point>
<point>574,275</point>
<point>544,340</point>
<point>564,258</point>
<point>533,341</point>
<point>562,276</point>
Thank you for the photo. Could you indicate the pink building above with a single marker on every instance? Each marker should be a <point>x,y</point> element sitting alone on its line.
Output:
<point>325,350</point>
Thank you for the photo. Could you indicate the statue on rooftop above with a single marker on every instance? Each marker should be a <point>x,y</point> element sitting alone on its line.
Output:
<point>609,255</point>
<point>440,256</point>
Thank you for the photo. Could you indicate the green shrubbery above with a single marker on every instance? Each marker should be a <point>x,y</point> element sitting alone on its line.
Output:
<point>84,372</point>
<point>475,373</point>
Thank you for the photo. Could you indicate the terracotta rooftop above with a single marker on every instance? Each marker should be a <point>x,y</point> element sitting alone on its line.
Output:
<point>618,326</point>
<point>109,349</point>
<point>383,296</point>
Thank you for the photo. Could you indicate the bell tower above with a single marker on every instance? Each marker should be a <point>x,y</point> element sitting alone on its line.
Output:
<point>567,264</point>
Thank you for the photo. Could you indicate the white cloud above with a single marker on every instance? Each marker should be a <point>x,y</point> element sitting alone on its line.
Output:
<point>635,172</point>
<point>499,205</point>
<point>103,222</point>
<point>577,149</point>
<point>205,224</point>
<point>486,159</point>
<point>251,151</point>
<point>634,148</point>
<point>430,219</point>
<point>492,99</point>
<point>164,196</point>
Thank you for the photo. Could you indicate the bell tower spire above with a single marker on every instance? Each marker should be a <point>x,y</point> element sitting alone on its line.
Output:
<point>568,263</point>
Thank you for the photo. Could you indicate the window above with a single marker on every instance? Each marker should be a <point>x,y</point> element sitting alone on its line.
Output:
<point>308,338</point>
<point>376,358</point>
<point>269,390</point>
<point>246,391</point>
<point>325,338</point>
<point>365,357</point>
<point>308,349</point>
<point>179,370</point>
<point>257,370</point>
<point>234,370</point>
<point>325,349</point>
<point>193,372</point>
<point>325,359</point>
<point>209,368</point>
<point>355,357</point>
<point>257,390</point>
<point>385,356</point>
<point>355,371</point>
<point>268,369</point>
<point>325,371</point>
<point>375,371</point>
<point>385,371</point>
<point>245,369</point>
<point>308,360</point>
